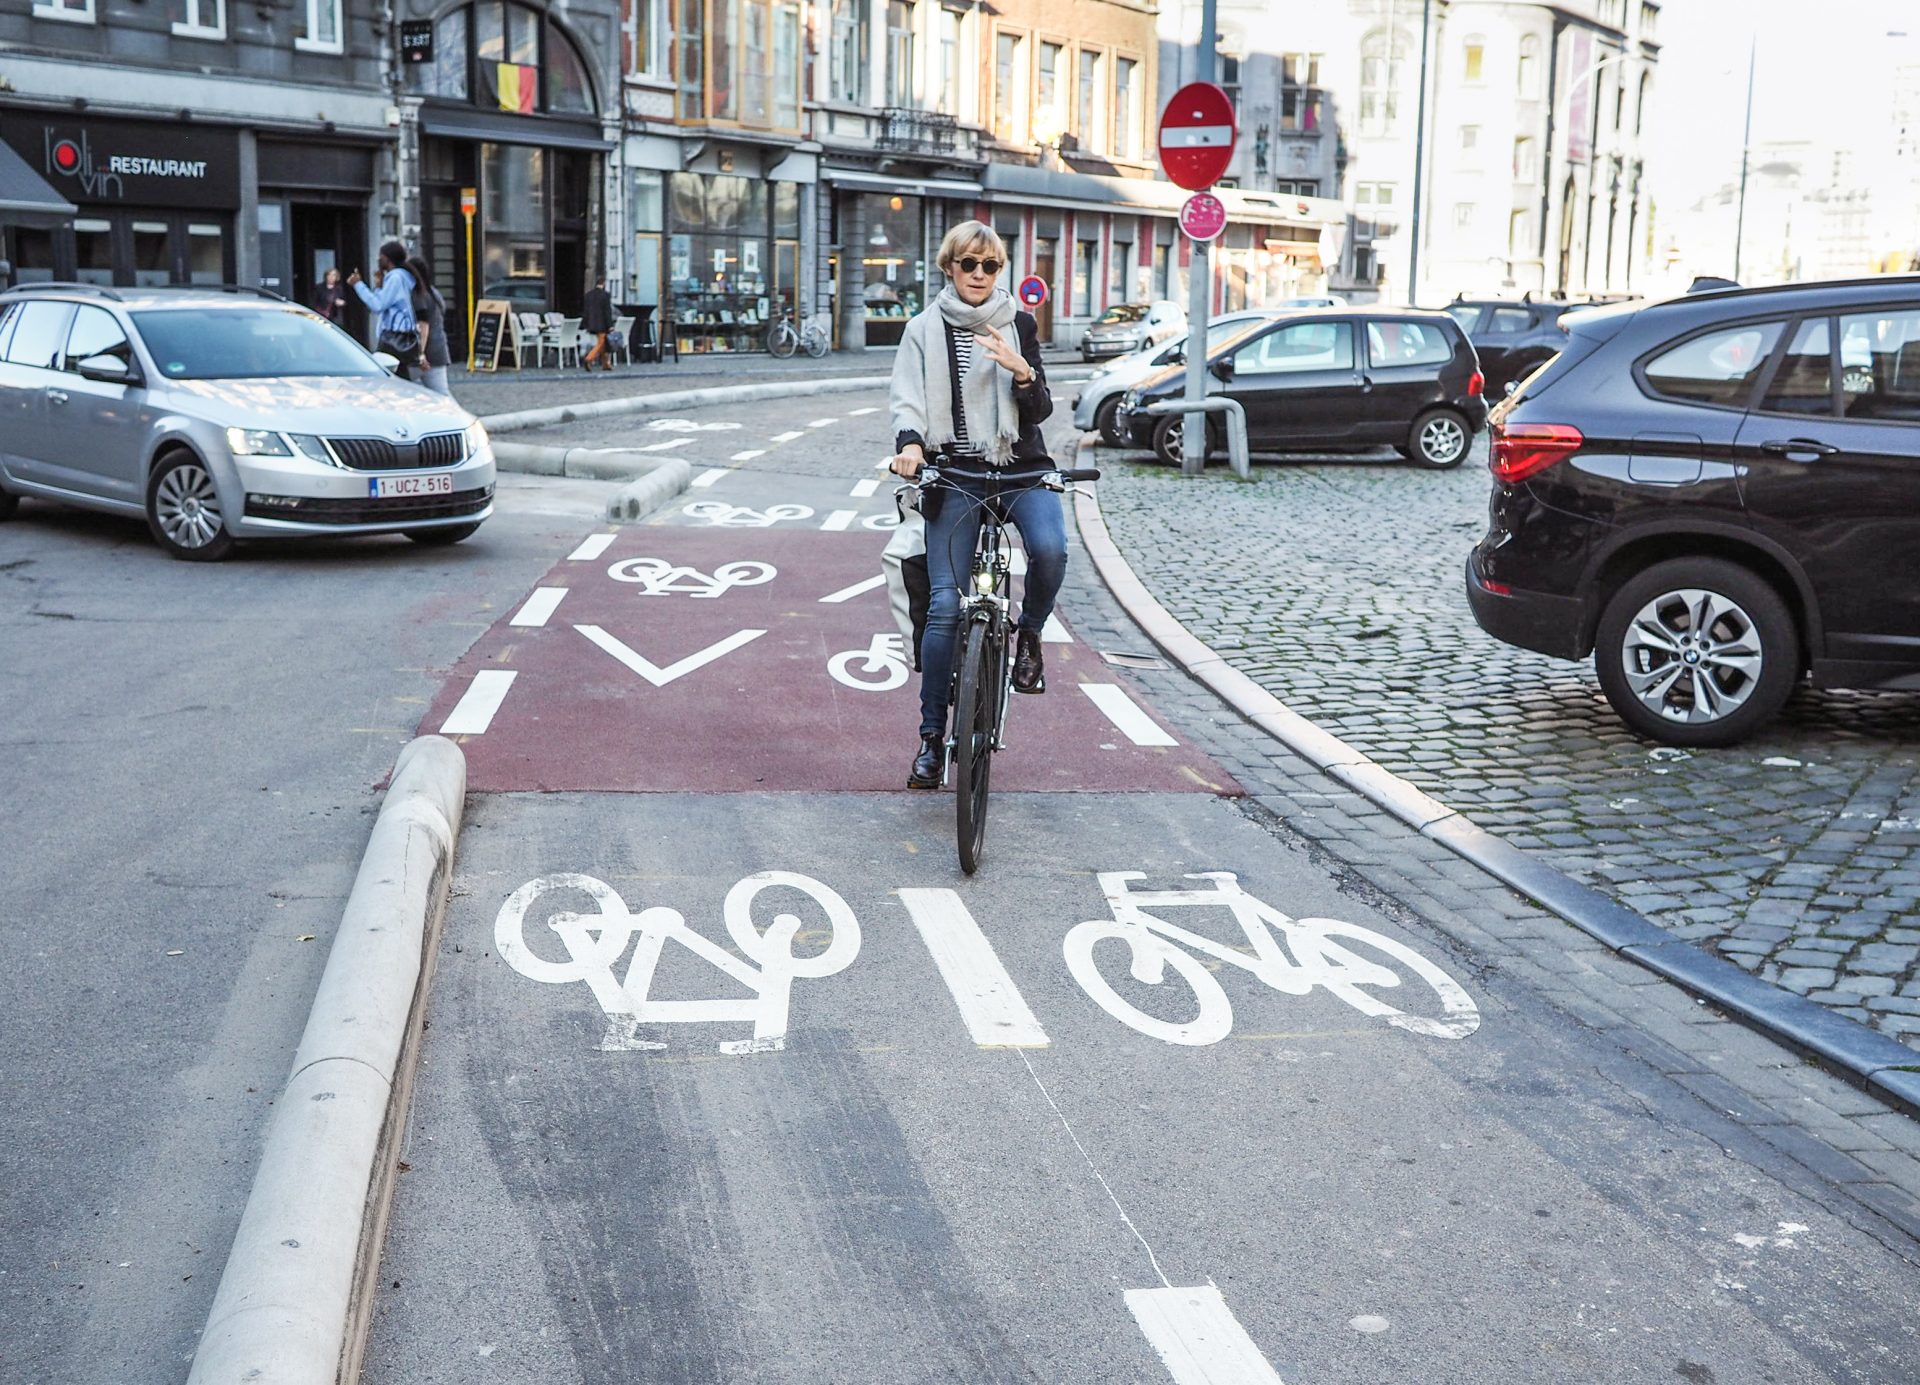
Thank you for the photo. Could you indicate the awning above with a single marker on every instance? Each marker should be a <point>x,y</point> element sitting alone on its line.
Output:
<point>514,129</point>
<point>25,197</point>
<point>918,187</point>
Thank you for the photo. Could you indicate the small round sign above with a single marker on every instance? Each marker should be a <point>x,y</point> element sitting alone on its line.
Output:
<point>1203,216</point>
<point>1032,291</point>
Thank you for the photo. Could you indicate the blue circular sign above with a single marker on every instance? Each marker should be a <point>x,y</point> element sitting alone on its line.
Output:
<point>1032,291</point>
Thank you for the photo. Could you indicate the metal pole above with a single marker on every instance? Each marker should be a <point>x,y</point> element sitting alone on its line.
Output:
<point>1746,143</point>
<point>470,323</point>
<point>1193,428</point>
<point>1419,157</point>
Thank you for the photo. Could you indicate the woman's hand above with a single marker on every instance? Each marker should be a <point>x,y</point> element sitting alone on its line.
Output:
<point>354,277</point>
<point>908,463</point>
<point>1004,356</point>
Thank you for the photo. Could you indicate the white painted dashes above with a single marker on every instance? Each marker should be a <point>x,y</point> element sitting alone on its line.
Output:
<point>539,607</point>
<point>879,579</point>
<point>710,475</point>
<point>1198,1337</point>
<point>591,547</point>
<point>786,437</point>
<point>822,422</point>
<point>865,487</point>
<point>862,413</point>
<point>749,454</point>
<point>839,519</point>
<point>1053,632</point>
<point>666,446</point>
<point>475,711</point>
<point>990,1004</point>
<point>1125,713</point>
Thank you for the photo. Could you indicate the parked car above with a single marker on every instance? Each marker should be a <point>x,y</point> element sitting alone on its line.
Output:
<point>224,415</point>
<point>1097,406</point>
<point>1127,327</point>
<point>1511,337</point>
<point>1713,496</point>
<point>1333,378</point>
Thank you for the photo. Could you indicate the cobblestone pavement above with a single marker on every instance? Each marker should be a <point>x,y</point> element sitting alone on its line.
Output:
<point>1336,583</point>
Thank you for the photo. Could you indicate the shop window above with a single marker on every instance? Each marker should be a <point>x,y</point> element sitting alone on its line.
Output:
<point>514,222</point>
<point>206,253</point>
<point>739,62</point>
<point>32,254</point>
<point>894,264</point>
<point>72,11</point>
<point>93,250</point>
<point>204,19</point>
<point>724,258</point>
<point>903,87</point>
<point>848,77</point>
<point>1009,87</point>
<point>320,30</point>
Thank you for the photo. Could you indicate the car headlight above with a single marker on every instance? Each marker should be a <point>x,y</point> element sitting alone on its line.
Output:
<point>312,448</point>
<point>1130,401</point>
<point>257,442</point>
<point>477,439</point>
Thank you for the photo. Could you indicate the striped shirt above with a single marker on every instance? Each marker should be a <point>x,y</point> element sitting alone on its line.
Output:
<point>960,344</point>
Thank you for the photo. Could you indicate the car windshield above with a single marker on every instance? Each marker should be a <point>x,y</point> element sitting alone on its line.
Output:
<point>1125,312</point>
<point>248,343</point>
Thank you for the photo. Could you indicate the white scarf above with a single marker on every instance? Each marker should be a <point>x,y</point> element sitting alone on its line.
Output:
<point>986,395</point>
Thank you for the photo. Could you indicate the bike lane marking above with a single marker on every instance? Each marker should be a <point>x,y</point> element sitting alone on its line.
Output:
<point>865,584</point>
<point>749,454</point>
<point>591,547</point>
<point>539,607</point>
<point>478,706</point>
<point>1198,1337</point>
<point>710,475</point>
<point>1125,714</point>
<point>864,487</point>
<point>989,1002</point>
<point>1055,631</point>
<point>839,520</point>
<point>786,437</point>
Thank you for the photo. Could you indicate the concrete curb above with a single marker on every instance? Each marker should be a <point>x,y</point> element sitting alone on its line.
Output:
<point>641,497</point>
<point>1888,1068</point>
<point>680,399</point>
<point>580,463</point>
<point>297,1291</point>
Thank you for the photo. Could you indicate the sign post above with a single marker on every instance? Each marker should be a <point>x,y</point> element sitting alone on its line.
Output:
<point>1197,135</point>
<point>469,202</point>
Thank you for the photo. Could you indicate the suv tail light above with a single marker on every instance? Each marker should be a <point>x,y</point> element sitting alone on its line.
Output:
<point>1476,385</point>
<point>1521,450</point>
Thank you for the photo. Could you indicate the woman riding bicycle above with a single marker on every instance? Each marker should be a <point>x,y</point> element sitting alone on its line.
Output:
<point>969,389</point>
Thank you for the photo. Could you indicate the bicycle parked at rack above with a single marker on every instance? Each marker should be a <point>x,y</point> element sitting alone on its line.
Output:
<point>982,668</point>
<point>813,335</point>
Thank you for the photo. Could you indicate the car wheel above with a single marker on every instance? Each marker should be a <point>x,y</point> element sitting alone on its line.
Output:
<point>1697,652</point>
<point>1106,422</point>
<point>1439,439</point>
<point>1169,438</point>
<point>443,537</point>
<point>183,510</point>
<point>8,503</point>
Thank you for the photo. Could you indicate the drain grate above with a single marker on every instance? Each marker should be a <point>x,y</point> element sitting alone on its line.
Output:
<point>1127,659</point>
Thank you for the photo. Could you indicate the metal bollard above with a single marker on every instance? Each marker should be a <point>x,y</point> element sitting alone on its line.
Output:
<point>1236,430</point>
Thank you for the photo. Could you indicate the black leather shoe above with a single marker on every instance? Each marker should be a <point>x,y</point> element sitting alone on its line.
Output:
<point>1029,669</point>
<point>929,764</point>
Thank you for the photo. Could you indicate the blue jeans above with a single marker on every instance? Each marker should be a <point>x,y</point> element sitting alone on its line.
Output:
<point>1037,514</point>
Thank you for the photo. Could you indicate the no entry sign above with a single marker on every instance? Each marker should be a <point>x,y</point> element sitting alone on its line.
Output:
<point>1197,134</point>
<point>1203,216</point>
<point>1032,291</point>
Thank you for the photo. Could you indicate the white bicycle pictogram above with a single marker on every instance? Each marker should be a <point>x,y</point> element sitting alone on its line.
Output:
<point>658,577</point>
<point>596,941</point>
<point>722,515</point>
<point>1317,955</point>
<point>884,656</point>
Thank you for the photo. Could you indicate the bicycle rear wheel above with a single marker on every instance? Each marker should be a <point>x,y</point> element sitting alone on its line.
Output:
<point>817,344</point>
<point>781,340</point>
<point>973,717</point>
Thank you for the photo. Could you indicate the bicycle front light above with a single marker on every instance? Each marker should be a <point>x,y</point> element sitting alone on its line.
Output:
<point>984,582</point>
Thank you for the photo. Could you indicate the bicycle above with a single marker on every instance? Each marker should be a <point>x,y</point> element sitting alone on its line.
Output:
<point>783,338</point>
<point>982,670</point>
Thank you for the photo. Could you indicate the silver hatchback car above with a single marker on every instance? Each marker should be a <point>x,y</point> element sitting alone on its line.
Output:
<point>222,415</point>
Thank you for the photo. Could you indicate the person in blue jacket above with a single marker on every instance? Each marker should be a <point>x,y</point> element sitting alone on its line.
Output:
<point>391,303</point>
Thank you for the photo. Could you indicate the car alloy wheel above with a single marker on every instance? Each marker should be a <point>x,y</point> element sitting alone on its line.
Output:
<point>1169,438</point>
<point>1106,422</point>
<point>1696,651</point>
<point>1440,439</point>
<point>183,511</point>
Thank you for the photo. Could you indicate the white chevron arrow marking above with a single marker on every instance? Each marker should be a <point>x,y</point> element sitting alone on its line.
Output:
<point>657,675</point>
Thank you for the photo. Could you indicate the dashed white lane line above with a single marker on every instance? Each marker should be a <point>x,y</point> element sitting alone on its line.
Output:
<point>862,413</point>
<point>990,1004</point>
<point>883,463</point>
<point>474,713</point>
<point>879,579</point>
<point>710,475</point>
<point>1125,713</point>
<point>1053,632</point>
<point>661,446</point>
<point>592,547</point>
<point>822,422</point>
<point>1198,1337</point>
<point>786,437</point>
<point>865,487</point>
<point>840,519</point>
<point>749,454</point>
<point>540,607</point>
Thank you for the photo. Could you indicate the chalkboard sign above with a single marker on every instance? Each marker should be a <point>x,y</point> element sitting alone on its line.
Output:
<point>493,327</point>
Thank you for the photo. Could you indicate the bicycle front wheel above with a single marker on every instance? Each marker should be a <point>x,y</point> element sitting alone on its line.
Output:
<point>781,341</point>
<point>817,344</point>
<point>973,716</point>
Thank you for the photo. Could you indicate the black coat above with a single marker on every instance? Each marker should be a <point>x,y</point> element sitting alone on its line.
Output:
<point>596,314</point>
<point>1034,402</point>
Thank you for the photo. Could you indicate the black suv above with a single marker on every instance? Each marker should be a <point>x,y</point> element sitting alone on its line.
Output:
<point>1511,337</point>
<point>1713,495</point>
<point>1331,378</point>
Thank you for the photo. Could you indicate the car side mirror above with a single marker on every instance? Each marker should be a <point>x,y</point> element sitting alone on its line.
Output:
<point>388,361</point>
<point>108,370</point>
<point>1223,368</point>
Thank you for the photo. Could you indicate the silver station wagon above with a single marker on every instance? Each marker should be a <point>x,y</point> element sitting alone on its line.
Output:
<point>222,415</point>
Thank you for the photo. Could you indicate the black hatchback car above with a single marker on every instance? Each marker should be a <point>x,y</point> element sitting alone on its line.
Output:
<point>1713,496</point>
<point>1334,378</point>
<point>1512,338</point>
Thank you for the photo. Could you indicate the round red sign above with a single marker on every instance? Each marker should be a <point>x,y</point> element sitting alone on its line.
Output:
<point>1203,216</point>
<point>1032,291</point>
<point>1197,135</point>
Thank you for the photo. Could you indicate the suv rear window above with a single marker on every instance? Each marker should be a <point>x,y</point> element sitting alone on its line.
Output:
<point>1715,367</point>
<point>1510,320</point>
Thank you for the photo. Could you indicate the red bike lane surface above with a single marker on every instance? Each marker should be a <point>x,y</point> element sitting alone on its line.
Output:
<point>724,660</point>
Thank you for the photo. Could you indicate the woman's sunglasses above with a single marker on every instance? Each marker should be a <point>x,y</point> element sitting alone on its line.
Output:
<point>969,263</point>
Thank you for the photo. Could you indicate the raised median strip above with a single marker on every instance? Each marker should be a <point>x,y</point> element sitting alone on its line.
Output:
<point>297,1292</point>
<point>1885,1066</point>
<point>523,419</point>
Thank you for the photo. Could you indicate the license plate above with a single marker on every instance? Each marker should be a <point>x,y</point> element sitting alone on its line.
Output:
<point>397,487</point>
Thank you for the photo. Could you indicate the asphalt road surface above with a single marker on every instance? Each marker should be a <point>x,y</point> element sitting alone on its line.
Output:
<point>733,1076</point>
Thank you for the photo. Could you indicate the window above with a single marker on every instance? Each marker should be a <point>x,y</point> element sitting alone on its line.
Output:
<point>1366,265</point>
<point>95,332</point>
<point>1297,187</point>
<point>649,36</point>
<point>1530,67</point>
<point>1085,254</point>
<point>1407,343</point>
<point>1463,213</point>
<point>1368,198</point>
<point>1046,103</point>
<point>447,74</point>
<point>1526,167</point>
<point>1717,368</point>
<point>204,19</point>
<point>848,77</point>
<point>38,335</point>
<point>902,87</point>
<point>1879,365</point>
<point>1475,53</point>
<point>738,62</point>
<point>1126,118</point>
<point>1508,321</point>
<point>1469,138</point>
<point>1119,266</point>
<point>72,11</point>
<point>1299,92</point>
<point>1093,108</point>
<point>1520,234</point>
<point>1466,314</point>
<point>1804,382</point>
<point>1009,88</point>
<point>1301,347</point>
<point>947,22</point>
<point>319,31</point>
<point>1230,77</point>
<point>1382,58</point>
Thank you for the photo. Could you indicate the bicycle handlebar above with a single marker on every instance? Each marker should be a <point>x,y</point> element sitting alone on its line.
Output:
<point>935,474</point>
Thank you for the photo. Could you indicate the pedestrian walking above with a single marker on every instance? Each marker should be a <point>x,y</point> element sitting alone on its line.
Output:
<point>391,303</point>
<point>430,311</point>
<point>596,316</point>
<point>969,390</point>
<point>330,298</point>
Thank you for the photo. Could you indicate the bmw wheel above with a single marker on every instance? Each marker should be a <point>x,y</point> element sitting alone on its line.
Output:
<point>183,511</point>
<point>1439,439</point>
<point>1697,652</point>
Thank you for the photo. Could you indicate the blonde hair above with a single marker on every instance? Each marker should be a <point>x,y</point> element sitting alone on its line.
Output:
<point>970,235</point>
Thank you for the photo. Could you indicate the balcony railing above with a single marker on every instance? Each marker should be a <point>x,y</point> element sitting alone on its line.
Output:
<point>907,131</point>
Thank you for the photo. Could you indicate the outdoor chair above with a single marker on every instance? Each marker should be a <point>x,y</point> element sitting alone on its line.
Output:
<point>623,329</point>
<point>562,338</point>
<point>527,339</point>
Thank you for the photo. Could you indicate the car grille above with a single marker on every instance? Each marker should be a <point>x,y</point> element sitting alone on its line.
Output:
<point>377,454</point>
<point>313,510</point>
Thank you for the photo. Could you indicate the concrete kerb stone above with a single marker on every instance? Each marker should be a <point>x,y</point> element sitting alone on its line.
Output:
<point>296,1293</point>
<point>523,419</point>
<point>1883,1065</point>
<point>637,499</point>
